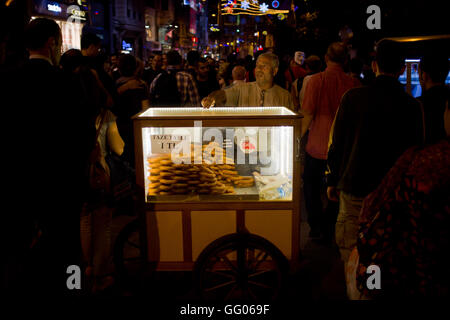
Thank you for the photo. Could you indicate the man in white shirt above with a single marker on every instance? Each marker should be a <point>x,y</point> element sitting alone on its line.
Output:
<point>262,92</point>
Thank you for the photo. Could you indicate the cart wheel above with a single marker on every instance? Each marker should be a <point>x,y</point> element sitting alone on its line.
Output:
<point>128,254</point>
<point>240,267</point>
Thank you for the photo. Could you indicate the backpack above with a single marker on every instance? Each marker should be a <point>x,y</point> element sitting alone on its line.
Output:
<point>165,90</point>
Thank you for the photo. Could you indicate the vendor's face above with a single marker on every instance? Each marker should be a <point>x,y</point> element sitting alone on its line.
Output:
<point>264,72</point>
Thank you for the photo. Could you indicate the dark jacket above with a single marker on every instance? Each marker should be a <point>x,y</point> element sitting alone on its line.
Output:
<point>433,101</point>
<point>374,125</point>
<point>44,172</point>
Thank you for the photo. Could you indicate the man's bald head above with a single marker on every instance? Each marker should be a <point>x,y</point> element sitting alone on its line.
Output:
<point>238,73</point>
<point>337,52</point>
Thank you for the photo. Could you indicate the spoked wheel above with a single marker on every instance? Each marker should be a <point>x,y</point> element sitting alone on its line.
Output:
<point>129,259</point>
<point>241,267</point>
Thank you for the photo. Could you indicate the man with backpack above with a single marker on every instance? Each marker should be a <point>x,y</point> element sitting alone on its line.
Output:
<point>174,87</point>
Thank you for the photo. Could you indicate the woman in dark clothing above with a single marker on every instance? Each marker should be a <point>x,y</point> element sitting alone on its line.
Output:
<point>405,225</point>
<point>132,99</point>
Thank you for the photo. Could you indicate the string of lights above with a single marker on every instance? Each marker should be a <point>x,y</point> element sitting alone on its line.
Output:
<point>250,7</point>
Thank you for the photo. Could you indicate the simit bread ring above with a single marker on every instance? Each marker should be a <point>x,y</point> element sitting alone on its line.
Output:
<point>180,185</point>
<point>164,187</point>
<point>180,178</point>
<point>207,175</point>
<point>230,172</point>
<point>154,171</point>
<point>165,193</point>
<point>165,168</point>
<point>166,162</point>
<point>166,174</point>
<point>154,185</point>
<point>207,184</point>
<point>154,178</point>
<point>168,181</point>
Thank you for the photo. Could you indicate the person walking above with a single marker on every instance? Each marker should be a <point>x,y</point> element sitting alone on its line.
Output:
<point>51,155</point>
<point>174,87</point>
<point>374,125</point>
<point>205,84</point>
<point>132,99</point>
<point>433,71</point>
<point>323,92</point>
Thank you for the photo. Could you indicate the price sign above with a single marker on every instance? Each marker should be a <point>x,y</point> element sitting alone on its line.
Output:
<point>166,143</point>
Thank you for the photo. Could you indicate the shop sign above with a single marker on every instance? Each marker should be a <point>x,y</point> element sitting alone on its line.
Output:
<point>54,7</point>
<point>126,46</point>
<point>75,13</point>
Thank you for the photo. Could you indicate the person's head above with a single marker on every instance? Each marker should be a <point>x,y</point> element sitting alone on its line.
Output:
<point>173,58</point>
<point>211,62</point>
<point>127,65</point>
<point>90,44</point>
<point>157,62</point>
<point>313,64</point>
<point>433,69</point>
<point>43,36</point>
<point>192,58</point>
<point>164,61</point>
<point>71,60</point>
<point>389,59</point>
<point>266,69</point>
<point>224,74</point>
<point>202,68</point>
<point>238,73</point>
<point>336,53</point>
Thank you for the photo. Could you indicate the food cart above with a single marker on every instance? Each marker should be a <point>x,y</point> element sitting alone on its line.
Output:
<point>220,192</point>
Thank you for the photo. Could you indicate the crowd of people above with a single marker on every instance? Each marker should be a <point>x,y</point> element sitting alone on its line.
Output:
<point>381,157</point>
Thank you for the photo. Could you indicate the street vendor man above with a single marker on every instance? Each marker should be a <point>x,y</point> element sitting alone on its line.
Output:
<point>262,92</point>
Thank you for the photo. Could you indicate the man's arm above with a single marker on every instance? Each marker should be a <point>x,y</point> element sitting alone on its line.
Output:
<point>309,104</point>
<point>215,98</point>
<point>337,145</point>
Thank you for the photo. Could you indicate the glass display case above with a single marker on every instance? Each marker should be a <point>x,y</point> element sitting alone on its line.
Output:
<point>206,174</point>
<point>221,154</point>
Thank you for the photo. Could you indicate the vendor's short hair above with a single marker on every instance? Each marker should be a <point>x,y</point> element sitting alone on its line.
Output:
<point>272,57</point>
<point>337,52</point>
<point>436,65</point>
<point>38,31</point>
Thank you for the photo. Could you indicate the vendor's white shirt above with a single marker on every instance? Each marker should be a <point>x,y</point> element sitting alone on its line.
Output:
<point>249,94</point>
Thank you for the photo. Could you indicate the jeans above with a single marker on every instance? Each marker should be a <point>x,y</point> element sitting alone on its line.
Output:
<point>321,218</point>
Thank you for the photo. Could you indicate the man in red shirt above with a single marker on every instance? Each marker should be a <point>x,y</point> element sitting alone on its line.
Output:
<point>323,93</point>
